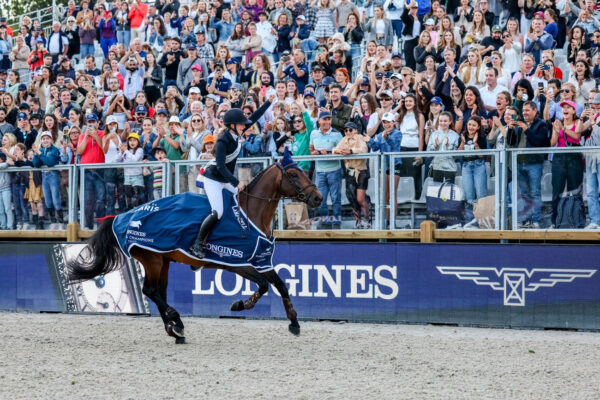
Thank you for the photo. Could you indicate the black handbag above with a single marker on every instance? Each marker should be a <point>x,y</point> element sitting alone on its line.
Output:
<point>445,205</point>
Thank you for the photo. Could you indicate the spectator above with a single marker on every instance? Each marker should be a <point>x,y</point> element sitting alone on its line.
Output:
<point>19,56</point>
<point>412,124</point>
<point>489,93</point>
<point>474,175</point>
<point>532,132</point>
<point>328,173</point>
<point>387,141</point>
<point>49,156</point>
<point>567,168</point>
<point>58,42</point>
<point>357,174</point>
<point>153,78</point>
<point>592,161</point>
<point>108,32</point>
<point>91,150</point>
<point>410,34</point>
<point>6,214</point>
<point>123,24</point>
<point>131,68</point>
<point>538,40</point>
<point>424,48</point>
<point>137,13</point>
<point>132,152</point>
<point>444,139</point>
<point>379,28</point>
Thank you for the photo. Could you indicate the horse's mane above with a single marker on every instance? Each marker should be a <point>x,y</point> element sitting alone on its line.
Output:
<point>256,179</point>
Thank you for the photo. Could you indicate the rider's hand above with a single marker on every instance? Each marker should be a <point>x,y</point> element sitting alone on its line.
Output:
<point>241,186</point>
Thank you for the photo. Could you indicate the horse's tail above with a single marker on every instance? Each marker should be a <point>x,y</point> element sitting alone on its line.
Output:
<point>101,255</point>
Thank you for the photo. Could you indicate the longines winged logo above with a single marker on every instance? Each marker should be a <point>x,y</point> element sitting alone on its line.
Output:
<point>515,282</point>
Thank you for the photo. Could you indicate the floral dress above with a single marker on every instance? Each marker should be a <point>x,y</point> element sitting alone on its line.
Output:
<point>325,26</point>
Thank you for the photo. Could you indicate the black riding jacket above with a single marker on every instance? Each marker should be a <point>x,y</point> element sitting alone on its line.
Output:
<point>227,144</point>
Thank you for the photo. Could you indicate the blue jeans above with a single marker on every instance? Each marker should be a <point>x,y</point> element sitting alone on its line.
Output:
<point>592,184</point>
<point>331,183</point>
<point>474,182</point>
<point>397,25</point>
<point>113,181</point>
<point>6,216</point>
<point>105,43</point>
<point>529,203</point>
<point>94,191</point>
<point>309,45</point>
<point>51,189</point>
<point>124,37</point>
<point>20,203</point>
<point>87,50</point>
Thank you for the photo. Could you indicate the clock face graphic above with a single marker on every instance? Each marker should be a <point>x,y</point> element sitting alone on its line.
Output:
<point>117,292</point>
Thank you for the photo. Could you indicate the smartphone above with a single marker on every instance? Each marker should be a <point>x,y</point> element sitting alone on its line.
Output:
<point>540,84</point>
<point>263,91</point>
<point>356,103</point>
<point>545,68</point>
<point>66,138</point>
<point>586,105</point>
<point>514,117</point>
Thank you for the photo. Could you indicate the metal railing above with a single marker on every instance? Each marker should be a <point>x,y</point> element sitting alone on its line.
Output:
<point>173,171</point>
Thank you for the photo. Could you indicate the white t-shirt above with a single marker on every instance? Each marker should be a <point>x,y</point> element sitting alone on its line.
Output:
<point>113,152</point>
<point>410,131</point>
<point>489,96</point>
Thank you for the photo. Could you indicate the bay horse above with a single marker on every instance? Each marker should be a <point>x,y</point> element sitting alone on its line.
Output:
<point>259,201</point>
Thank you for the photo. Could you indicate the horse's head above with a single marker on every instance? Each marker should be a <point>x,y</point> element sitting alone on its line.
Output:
<point>295,183</point>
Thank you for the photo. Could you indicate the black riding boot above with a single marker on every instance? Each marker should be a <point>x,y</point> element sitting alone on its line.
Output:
<point>208,224</point>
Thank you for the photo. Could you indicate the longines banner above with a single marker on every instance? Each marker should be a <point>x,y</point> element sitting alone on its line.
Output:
<point>499,285</point>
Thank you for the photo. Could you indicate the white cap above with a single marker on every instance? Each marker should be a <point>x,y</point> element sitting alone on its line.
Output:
<point>111,119</point>
<point>389,116</point>
<point>174,120</point>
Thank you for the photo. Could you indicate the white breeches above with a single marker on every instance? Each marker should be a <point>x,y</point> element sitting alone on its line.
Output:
<point>214,191</point>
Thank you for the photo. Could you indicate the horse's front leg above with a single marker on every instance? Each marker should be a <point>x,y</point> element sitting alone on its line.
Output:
<point>254,276</point>
<point>291,314</point>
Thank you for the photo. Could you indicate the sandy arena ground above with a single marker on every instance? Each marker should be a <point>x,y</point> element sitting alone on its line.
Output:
<point>53,356</point>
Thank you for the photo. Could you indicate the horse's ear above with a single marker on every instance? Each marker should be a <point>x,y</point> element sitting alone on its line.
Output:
<point>287,157</point>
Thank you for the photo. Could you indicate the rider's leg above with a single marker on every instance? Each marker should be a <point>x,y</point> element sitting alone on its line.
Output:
<point>214,192</point>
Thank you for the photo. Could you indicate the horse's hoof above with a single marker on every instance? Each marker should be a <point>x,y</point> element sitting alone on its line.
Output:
<point>180,340</point>
<point>237,306</point>
<point>294,328</point>
<point>175,331</point>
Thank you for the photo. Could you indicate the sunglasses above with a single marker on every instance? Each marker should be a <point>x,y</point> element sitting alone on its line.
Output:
<point>298,121</point>
<point>196,120</point>
<point>385,99</point>
<point>247,114</point>
<point>348,130</point>
<point>566,91</point>
<point>505,36</point>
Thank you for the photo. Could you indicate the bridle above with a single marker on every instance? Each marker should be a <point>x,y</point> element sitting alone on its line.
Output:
<point>300,195</point>
<point>300,191</point>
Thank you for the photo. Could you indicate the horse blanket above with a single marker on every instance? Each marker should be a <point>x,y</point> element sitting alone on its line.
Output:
<point>172,223</point>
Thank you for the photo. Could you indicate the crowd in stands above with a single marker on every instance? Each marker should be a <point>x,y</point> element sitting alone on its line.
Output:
<point>135,82</point>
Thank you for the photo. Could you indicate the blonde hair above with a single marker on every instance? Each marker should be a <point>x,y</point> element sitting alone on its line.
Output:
<point>469,69</point>
<point>12,139</point>
<point>422,36</point>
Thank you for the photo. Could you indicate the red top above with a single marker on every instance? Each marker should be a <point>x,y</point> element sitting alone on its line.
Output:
<point>93,154</point>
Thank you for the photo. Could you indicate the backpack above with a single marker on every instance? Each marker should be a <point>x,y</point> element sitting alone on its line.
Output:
<point>570,211</point>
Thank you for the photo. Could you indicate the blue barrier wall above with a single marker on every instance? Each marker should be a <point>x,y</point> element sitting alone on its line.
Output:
<point>498,285</point>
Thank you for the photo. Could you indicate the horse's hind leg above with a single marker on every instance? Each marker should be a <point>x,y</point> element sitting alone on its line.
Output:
<point>173,325</point>
<point>153,264</point>
<point>252,275</point>
<point>276,281</point>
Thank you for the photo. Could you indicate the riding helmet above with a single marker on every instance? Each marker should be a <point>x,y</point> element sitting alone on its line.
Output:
<point>236,116</point>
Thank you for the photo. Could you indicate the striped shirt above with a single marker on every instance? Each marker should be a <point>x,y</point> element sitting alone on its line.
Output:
<point>157,183</point>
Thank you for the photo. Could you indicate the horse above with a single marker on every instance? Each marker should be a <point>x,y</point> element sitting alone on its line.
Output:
<point>258,200</point>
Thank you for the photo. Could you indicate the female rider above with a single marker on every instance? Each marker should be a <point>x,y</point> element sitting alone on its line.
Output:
<point>219,175</point>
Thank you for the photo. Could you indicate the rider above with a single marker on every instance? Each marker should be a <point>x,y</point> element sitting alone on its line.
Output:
<point>219,175</point>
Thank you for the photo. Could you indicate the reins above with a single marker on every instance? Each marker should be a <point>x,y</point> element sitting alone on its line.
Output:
<point>300,195</point>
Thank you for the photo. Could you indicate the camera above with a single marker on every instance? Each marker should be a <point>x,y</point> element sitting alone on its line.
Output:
<point>285,58</point>
<point>545,68</point>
